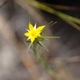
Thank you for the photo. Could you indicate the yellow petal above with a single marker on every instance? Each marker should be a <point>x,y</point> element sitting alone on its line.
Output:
<point>40,28</point>
<point>26,34</point>
<point>32,39</point>
<point>39,35</point>
<point>31,27</point>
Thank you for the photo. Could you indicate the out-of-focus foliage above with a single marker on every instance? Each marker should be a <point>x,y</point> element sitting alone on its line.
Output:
<point>73,21</point>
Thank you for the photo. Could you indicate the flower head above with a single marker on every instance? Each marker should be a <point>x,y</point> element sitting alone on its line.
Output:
<point>33,33</point>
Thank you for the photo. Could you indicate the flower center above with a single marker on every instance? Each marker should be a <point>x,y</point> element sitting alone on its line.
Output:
<point>33,34</point>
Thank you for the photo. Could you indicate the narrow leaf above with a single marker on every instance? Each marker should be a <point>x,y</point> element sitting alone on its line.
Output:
<point>49,37</point>
<point>41,44</point>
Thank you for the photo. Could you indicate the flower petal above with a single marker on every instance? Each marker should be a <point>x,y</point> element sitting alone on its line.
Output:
<point>31,28</point>
<point>35,27</point>
<point>40,28</point>
<point>27,34</point>
<point>32,39</point>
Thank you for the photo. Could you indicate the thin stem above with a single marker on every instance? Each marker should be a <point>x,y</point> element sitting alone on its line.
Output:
<point>42,62</point>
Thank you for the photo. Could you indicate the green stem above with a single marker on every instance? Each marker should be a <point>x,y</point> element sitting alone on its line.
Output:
<point>42,61</point>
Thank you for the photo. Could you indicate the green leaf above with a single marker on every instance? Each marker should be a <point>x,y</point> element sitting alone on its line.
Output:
<point>49,37</point>
<point>41,44</point>
<point>50,24</point>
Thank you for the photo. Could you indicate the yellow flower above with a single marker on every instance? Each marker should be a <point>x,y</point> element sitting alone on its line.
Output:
<point>33,33</point>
